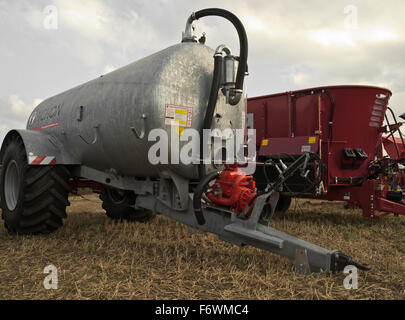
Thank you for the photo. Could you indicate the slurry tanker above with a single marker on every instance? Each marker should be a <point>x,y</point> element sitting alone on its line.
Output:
<point>100,135</point>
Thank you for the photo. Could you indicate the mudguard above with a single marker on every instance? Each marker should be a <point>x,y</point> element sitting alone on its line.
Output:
<point>41,148</point>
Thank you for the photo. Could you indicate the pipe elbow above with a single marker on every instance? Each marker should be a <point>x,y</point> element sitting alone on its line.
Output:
<point>235,97</point>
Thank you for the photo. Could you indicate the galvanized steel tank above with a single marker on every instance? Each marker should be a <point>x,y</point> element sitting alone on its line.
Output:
<point>94,120</point>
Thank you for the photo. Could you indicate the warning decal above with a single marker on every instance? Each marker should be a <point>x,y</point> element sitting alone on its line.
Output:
<point>179,116</point>
<point>312,140</point>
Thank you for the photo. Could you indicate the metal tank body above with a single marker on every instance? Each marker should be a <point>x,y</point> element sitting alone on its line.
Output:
<point>94,120</point>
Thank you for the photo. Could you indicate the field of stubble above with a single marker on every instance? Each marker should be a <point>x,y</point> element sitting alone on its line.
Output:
<point>99,259</point>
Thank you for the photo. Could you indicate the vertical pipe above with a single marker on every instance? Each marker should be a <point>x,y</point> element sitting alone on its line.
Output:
<point>319,116</point>
<point>290,120</point>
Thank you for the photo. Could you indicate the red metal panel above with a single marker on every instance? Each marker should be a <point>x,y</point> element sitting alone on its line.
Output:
<point>389,146</point>
<point>295,146</point>
<point>306,115</point>
<point>339,117</point>
<point>352,121</point>
<point>358,116</point>
<point>278,118</point>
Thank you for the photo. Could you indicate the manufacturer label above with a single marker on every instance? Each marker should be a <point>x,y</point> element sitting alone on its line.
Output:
<point>45,118</point>
<point>179,116</point>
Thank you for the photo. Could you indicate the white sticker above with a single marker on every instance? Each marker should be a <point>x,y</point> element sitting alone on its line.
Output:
<point>250,121</point>
<point>306,149</point>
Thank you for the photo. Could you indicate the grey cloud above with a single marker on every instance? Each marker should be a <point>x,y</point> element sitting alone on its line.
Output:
<point>38,63</point>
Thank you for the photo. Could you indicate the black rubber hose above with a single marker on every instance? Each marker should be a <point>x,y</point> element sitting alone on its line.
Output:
<point>216,82</point>
<point>198,192</point>
<point>243,41</point>
<point>212,102</point>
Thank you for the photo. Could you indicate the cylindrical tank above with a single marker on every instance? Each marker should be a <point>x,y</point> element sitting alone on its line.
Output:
<point>94,120</point>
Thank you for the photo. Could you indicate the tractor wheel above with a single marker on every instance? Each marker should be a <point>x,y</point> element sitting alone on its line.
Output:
<point>119,206</point>
<point>283,204</point>
<point>33,198</point>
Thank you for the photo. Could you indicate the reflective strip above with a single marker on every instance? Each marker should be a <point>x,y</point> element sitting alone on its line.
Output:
<point>49,161</point>
<point>41,161</point>
<point>48,126</point>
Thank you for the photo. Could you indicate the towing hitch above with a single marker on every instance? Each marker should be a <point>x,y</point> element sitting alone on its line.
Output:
<point>226,204</point>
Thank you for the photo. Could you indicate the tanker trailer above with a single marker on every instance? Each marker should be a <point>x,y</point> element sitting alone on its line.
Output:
<point>103,131</point>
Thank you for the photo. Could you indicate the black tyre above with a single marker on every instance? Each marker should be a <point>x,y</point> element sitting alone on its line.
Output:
<point>33,198</point>
<point>119,206</point>
<point>283,204</point>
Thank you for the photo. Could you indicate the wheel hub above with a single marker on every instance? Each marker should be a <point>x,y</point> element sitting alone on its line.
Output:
<point>12,185</point>
<point>117,196</point>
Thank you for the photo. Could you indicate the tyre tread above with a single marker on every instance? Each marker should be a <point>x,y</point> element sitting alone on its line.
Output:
<point>45,195</point>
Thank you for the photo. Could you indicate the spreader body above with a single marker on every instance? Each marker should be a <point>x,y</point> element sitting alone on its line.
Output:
<point>343,125</point>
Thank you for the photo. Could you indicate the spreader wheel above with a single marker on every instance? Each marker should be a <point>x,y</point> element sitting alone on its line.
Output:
<point>119,206</point>
<point>33,198</point>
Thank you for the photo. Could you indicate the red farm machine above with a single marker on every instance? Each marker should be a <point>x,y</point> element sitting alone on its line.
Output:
<point>339,129</point>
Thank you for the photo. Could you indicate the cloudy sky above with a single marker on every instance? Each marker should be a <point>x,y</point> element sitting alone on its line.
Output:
<point>293,44</point>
